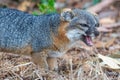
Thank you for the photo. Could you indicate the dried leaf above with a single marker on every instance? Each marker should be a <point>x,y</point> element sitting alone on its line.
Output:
<point>109,43</point>
<point>23,6</point>
<point>104,29</point>
<point>99,44</point>
<point>115,55</point>
<point>110,62</point>
<point>107,21</point>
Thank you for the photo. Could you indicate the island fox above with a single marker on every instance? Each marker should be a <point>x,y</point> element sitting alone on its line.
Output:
<point>45,37</point>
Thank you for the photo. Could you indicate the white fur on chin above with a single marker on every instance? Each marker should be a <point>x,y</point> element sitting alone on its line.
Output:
<point>74,34</point>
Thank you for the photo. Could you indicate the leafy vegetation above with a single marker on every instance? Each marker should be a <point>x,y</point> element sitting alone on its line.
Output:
<point>46,6</point>
<point>96,2</point>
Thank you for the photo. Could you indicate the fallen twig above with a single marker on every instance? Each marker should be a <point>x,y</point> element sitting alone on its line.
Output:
<point>113,25</point>
<point>109,27</point>
<point>101,5</point>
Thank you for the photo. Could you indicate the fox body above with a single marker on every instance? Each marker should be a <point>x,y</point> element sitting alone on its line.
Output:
<point>19,29</point>
<point>51,34</point>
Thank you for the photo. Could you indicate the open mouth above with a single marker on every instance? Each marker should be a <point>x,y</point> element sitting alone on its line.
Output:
<point>88,40</point>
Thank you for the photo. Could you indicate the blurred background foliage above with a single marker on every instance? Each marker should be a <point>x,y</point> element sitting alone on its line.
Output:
<point>46,6</point>
<point>95,1</point>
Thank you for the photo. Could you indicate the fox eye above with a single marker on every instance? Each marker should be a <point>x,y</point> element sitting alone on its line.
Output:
<point>85,25</point>
<point>97,25</point>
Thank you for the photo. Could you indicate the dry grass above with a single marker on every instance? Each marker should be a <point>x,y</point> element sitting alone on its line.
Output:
<point>77,64</point>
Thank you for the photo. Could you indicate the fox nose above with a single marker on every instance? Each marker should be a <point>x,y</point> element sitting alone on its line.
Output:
<point>94,31</point>
<point>97,33</point>
<point>88,32</point>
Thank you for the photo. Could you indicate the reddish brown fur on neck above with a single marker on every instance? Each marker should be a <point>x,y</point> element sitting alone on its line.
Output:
<point>61,39</point>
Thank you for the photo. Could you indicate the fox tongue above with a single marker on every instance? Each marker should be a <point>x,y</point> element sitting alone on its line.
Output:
<point>89,40</point>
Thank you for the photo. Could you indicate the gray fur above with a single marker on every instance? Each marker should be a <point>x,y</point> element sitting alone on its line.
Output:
<point>19,29</point>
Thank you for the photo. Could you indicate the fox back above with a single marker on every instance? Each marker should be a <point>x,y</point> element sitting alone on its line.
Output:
<point>20,30</point>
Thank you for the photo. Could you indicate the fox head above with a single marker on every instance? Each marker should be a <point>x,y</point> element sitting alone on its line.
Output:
<point>81,25</point>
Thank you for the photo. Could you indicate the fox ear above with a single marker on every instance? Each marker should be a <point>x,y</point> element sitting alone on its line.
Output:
<point>67,15</point>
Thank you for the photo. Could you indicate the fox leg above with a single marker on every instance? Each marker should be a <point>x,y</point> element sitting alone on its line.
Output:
<point>52,59</point>
<point>40,59</point>
<point>52,63</point>
<point>46,60</point>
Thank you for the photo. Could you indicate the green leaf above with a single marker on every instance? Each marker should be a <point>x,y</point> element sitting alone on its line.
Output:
<point>96,1</point>
<point>47,6</point>
<point>44,1</point>
<point>51,3</point>
<point>34,13</point>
